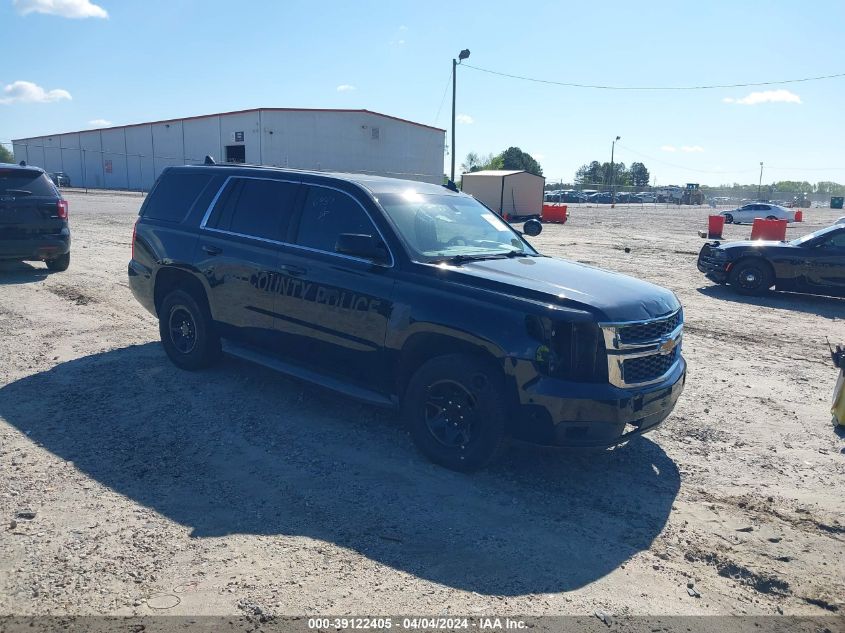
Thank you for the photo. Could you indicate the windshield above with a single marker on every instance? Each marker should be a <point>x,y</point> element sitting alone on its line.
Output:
<point>811,236</point>
<point>445,226</point>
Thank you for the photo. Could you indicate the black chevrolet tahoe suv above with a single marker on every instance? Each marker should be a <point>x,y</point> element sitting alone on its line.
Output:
<point>33,217</point>
<point>408,295</point>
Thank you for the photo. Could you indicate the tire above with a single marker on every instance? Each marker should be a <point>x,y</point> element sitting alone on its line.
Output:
<point>187,331</point>
<point>729,219</point>
<point>440,394</point>
<point>771,217</point>
<point>751,277</point>
<point>59,264</point>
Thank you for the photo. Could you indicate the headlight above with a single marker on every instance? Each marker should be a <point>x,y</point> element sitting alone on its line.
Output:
<point>718,254</point>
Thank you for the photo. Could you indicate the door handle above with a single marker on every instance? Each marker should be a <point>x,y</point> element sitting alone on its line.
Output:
<point>211,250</point>
<point>295,271</point>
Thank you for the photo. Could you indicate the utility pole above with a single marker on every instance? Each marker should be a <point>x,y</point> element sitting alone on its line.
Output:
<point>464,54</point>
<point>612,192</point>
<point>760,184</point>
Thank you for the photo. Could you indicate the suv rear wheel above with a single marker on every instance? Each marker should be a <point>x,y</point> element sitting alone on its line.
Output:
<point>455,411</point>
<point>60,263</point>
<point>187,331</point>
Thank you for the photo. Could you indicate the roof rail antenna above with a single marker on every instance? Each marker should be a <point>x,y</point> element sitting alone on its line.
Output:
<point>209,160</point>
<point>451,186</point>
<point>22,163</point>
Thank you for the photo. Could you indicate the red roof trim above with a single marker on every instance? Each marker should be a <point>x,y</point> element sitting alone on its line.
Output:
<point>209,116</point>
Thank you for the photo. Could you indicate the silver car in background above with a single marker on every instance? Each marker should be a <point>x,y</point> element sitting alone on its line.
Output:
<point>747,213</point>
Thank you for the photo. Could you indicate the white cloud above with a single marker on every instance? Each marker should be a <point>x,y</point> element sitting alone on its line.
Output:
<point>99,123</point>
<point>465,119</point>
<point>28,92</point>
<point>765,96</point>
<point>63,8</point>
<point>345,88</point>
<point>669,148</point>
<point>692,148</point>
<point>400,42</point>
<point>403,28</point>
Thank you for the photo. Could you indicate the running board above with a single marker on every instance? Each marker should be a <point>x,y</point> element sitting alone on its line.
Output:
<point>271,362</point>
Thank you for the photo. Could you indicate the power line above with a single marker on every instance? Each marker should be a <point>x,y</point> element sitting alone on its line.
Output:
<point>702,171</point>
<point>608,87</point>
<point>442,99</point>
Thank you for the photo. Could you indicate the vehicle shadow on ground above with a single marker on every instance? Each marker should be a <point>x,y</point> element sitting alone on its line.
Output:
<point>12,273</point>
<point>240,450</point>
<point>828,307</point>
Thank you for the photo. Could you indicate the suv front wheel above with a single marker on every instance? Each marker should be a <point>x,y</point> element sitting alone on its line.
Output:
<point>187,331</point>
<point>455,411</point>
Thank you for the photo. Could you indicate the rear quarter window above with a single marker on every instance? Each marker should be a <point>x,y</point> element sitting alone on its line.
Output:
<point>174,195</point>
<point>35,183</point>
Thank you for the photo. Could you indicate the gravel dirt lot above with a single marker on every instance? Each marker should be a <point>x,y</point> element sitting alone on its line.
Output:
<point>130,487</point>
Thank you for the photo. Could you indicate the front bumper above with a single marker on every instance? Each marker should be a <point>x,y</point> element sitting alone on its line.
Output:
<point>715,270</point>
<point>567,413</point>
<point>37,248</point>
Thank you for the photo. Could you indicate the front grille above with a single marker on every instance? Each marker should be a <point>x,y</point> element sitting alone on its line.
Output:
<point>651,330</point>
<point>646,368</point>
<point>636,351</point>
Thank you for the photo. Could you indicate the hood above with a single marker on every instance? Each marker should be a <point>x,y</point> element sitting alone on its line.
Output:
<point>607,295</point>
<point>755,244</point>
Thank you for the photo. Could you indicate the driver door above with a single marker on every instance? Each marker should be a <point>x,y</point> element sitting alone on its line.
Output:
<point>825,265</point>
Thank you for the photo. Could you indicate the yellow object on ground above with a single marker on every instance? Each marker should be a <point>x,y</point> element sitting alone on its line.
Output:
<point>838,408</point>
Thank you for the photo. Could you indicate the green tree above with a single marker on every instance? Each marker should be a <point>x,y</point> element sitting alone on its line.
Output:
<point>515,158</point>
<point>589,174</point>
<point>639,175</point>
<point>475,162</point>
<point>5,155</point>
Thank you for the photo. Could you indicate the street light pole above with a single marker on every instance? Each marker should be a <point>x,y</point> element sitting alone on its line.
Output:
<point>760,184</point>
<point>612,192</point>
<point>464,54</point>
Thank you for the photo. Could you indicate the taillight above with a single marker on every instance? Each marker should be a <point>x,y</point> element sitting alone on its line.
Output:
<point>61,209</point>
<point>134,229</point>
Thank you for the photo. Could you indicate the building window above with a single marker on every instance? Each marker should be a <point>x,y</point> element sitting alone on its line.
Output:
<point>375,133</point>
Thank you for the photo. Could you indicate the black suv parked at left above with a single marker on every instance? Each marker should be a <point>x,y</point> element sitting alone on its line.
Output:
<point>33,217</point>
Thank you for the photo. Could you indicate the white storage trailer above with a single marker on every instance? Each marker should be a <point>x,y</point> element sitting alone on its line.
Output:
<point>510,193</point>
<point>132,156</point>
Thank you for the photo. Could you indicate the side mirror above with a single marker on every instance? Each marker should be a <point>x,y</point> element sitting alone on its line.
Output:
<point>532,228</point>
<point>364,246</point>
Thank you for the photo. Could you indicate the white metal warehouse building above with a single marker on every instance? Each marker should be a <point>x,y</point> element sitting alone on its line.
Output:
<point>132,156</point>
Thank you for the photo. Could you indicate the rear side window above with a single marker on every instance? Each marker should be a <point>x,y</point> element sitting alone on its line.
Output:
<point>327,214</point>
<point>22,182</point>
<point>255,207</point>
<point>174,195</point>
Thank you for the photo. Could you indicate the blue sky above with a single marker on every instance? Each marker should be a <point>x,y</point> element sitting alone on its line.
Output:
<point>156,59</point>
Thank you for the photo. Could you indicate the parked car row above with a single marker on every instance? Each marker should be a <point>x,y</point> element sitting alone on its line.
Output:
<point>602,197</point>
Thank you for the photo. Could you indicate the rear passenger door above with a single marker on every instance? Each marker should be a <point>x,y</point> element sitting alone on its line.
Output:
<point>238,253</point>
<point>334,308</point>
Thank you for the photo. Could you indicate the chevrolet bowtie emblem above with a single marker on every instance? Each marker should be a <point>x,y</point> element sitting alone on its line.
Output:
<point>667,346</point>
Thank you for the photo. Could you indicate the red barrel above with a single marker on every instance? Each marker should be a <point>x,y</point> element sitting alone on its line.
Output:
<point>799,215</point>
<point>715,226</point>
<point>763,229</point>
<point>554,213</point>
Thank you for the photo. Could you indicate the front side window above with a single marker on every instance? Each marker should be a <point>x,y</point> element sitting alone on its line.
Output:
<point>255,207</point>
<point>837,241</point>
<point>328,213</point>
<point>438,226</point>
